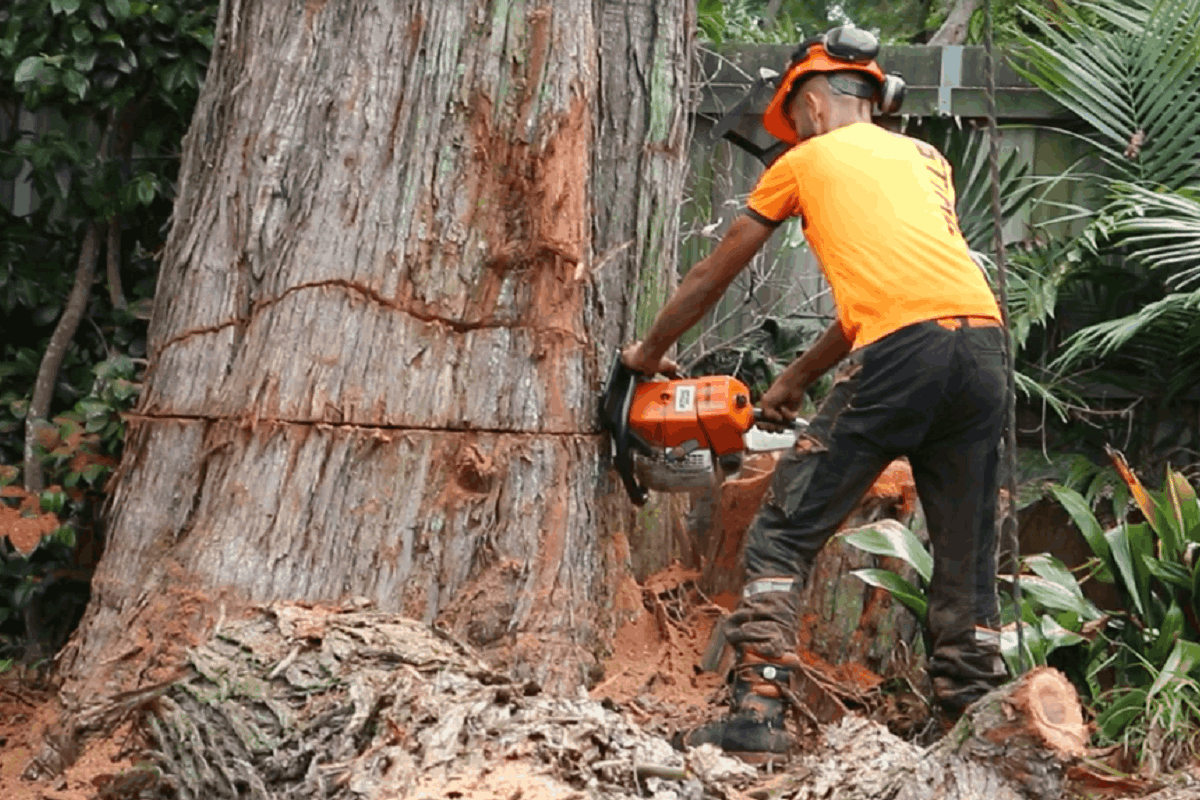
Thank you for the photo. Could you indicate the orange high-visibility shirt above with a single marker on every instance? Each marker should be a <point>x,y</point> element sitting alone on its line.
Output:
<point>878,210</point>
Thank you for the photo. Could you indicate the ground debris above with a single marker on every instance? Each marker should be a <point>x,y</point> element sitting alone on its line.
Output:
<point>297,702</point>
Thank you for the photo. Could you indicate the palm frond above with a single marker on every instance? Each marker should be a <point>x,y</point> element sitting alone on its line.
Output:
<point>967,151</point>
<point>1153,335</point>
<point>1133,81</point>
<point>1037,273</point>
<point>1162,229</point>
<point>1055,395</point>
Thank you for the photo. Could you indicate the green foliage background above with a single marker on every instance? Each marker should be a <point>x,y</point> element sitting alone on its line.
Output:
<point>95,96</point>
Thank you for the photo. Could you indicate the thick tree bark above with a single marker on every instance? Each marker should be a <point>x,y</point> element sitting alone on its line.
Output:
<point>403,252</point>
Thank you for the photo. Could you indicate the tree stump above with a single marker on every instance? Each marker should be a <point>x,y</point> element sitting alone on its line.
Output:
<point>842,619</point>
<point>1014,744</point>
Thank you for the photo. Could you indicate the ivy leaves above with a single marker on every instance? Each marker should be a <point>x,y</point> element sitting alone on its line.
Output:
<point>104,52</point>
<point>95,96</point>
<point>97,65</point>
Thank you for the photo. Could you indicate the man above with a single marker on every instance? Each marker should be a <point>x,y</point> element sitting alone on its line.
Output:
<point>878,211</point>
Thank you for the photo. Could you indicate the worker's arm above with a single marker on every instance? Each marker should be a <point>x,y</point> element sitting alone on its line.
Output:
<point>782,400</point>
<point>696,294</point>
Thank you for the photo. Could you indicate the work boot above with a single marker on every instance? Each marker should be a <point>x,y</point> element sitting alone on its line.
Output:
<point>754,729</point>
<point>962,675</point>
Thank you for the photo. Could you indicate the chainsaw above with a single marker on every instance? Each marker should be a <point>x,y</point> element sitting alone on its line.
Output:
<point>683,434</point>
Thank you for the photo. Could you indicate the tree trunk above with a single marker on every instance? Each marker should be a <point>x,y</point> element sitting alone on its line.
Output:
<point>957,25</point>
<point>404,248</point>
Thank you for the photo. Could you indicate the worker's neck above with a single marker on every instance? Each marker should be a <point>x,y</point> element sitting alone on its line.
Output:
<point>841,117</point>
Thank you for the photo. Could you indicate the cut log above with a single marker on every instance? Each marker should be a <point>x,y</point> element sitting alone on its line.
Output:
<point>1029,730</point>
<point>1017,742</point>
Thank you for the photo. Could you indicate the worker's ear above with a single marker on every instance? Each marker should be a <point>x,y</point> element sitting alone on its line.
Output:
<point>814,103</point>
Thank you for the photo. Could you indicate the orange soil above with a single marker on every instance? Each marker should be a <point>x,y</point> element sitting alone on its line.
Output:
<point>655,653</point>
<point>24,715</point>
<point>654,666</point>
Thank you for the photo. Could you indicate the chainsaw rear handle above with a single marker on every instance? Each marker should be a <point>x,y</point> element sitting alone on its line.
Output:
<point>798,424</point>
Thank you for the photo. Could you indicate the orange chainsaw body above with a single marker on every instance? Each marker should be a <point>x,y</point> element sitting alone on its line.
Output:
<point>713,412</point>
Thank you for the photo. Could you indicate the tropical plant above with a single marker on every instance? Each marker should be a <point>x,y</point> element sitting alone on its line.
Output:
<point>893,540</point>
<point>95,96</point>
<point>1128,68</point>
<point>1137,665</point>
<point>1053,611</point>
<point>1154,640</point>
<point>1161,231</point>
<point>44,582</point>
<point>1130,77</point>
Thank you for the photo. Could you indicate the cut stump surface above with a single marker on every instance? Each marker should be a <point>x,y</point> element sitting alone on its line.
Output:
<point>1014,744</point>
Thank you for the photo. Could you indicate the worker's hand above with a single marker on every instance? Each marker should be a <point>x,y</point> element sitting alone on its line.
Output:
<point>782,401</point>
<point>633,357</point>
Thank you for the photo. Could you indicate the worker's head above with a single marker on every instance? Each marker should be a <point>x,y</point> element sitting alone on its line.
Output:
<point>845,53</point>
<point>825,101</point>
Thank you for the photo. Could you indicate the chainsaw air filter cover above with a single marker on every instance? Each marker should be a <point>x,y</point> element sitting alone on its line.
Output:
<point>682,416</point>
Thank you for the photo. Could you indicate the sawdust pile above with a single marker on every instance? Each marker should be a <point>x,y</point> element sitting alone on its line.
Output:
<point>27,709</point>
<point>296,701</point>
<point>653,669</point>
<point>316,702</point>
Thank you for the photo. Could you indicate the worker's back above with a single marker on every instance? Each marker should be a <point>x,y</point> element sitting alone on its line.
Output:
<point>878,210</point>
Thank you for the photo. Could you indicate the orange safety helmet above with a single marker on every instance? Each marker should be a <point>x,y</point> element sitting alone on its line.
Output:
<point>843,49</point>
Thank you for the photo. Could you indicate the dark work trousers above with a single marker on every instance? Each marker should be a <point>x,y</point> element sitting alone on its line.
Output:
<point>937,395</point>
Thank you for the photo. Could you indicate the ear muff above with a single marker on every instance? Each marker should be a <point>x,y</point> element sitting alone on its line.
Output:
<point>891,93</point>
<point>852,45</point>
